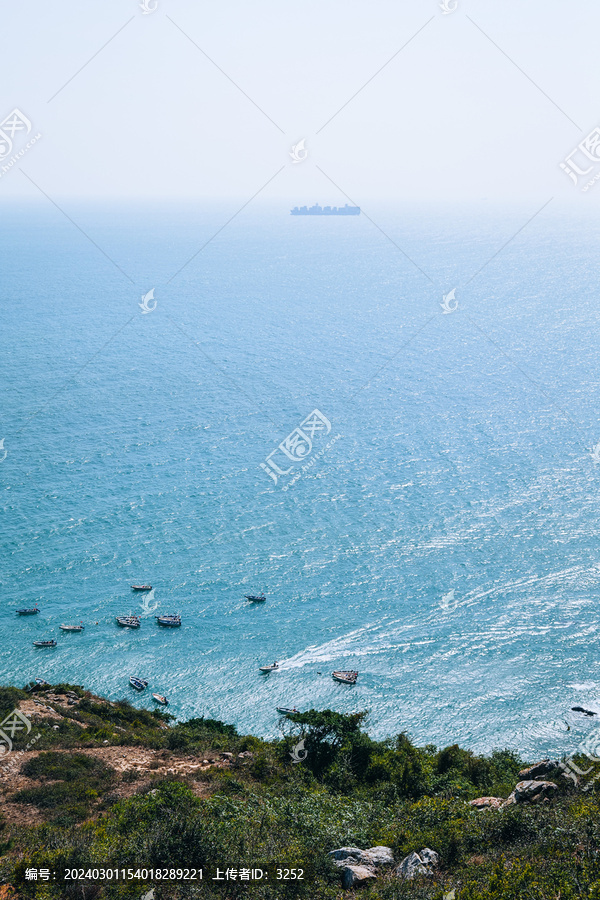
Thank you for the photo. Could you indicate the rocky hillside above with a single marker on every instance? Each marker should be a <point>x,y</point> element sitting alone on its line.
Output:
<point>194,809</point>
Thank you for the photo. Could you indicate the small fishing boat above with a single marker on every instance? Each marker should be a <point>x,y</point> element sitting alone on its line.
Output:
<point>272,668</point>
<point>138,683</point>
<point>255,598</point>
<point>160,699</point>
<point>41,683</point>
<point>79,627</point>
<point>141,587</point>
<point>28,611</point>
<point>44,643</point>
<point>284,710</point>
<point>169,621</point>
<point>345,677</point>
<point>128,621</point>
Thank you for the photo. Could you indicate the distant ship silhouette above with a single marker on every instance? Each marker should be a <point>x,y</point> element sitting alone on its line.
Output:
<point>317,210</point>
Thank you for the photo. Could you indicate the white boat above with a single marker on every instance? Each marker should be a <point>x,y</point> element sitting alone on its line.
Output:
<point>44,643</point>
<point>170,621</point>
<point>138,683</point>
<point>72,627</point>
<point>128,621</point>
<point>345,677</point>
<point>272,668</point>
<point>285,710</point>
<point>160,699</point>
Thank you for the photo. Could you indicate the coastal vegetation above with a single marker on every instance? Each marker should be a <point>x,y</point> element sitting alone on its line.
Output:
<point>110,786</point>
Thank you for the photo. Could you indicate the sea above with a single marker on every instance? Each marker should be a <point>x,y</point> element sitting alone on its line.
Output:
<point>388,423</point>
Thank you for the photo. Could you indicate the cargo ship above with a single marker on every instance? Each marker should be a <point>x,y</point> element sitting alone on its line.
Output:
<point>317,210</point>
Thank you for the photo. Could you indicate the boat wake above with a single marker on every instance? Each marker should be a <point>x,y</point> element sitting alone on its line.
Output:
<point>354,643</point>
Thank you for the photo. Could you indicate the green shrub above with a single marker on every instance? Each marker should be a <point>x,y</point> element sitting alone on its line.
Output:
<point>74,782</point>
<point>66,767</point>
<point>213,726</point>
<point>10,697</point>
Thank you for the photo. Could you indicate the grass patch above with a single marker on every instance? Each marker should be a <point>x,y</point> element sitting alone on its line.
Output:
<point>75,783</point>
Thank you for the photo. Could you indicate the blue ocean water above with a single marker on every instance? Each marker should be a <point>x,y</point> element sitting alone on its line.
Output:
<point>461,462</point>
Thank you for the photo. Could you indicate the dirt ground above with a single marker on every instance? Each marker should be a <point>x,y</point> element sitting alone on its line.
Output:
<point>147,764</point>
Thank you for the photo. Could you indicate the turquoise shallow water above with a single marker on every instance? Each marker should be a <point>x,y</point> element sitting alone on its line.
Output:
<point>463,463</point>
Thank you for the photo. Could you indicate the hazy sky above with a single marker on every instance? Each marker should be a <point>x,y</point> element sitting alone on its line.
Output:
<point>450,116</point>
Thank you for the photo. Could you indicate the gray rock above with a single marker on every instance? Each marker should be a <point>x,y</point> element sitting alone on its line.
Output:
<point>430,857</point>
<point>356,875</point>
<point>530,792</point>
<point>416,864</point>
<point>353,853</point>
<point>372,857</point>
<point>411,866</point>
<point>539,769</point>
<point>380,856</point>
